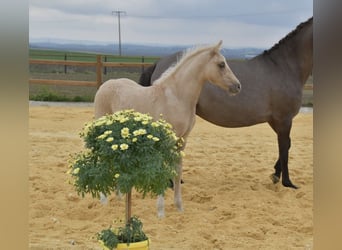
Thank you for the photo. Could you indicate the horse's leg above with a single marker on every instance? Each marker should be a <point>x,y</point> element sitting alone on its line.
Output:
<point>160,206</point>
<point>177,197</point>
<point>284,143</point>
<point>276,176</point>
<point>177,186</point>
<point>103,199</point>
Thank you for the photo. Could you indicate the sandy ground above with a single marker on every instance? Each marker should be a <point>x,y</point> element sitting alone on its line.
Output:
<point>229,200</point>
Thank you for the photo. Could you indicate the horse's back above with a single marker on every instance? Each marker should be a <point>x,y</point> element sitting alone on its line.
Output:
<point>114,95</point>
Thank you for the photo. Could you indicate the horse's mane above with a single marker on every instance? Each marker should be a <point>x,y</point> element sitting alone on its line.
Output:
<point>186,54</point>
<point>288,36</point>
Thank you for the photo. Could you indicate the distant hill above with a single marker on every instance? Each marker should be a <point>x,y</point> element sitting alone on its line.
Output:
<point>131,49</point>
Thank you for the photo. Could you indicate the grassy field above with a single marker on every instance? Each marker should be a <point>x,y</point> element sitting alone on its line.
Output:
<point>41,92</point>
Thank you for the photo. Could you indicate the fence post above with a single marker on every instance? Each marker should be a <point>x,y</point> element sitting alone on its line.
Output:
<point>98,70</point>
<point>65,67</point>
<point>105,68</point>
<point>142,67</point>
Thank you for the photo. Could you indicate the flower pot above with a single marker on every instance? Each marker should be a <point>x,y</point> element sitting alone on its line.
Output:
<point>142,245</point>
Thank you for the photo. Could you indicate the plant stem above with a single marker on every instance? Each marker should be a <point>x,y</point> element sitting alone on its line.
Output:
<point>128,206</point>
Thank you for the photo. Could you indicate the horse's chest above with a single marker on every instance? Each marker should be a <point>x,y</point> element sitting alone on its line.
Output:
<point>182,124</point>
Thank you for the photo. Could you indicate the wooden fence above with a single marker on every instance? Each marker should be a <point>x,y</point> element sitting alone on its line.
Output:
<point>99,64</point>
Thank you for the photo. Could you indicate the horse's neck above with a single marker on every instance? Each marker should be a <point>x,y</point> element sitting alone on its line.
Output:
<point>187,81</point>
<point>295,55</point>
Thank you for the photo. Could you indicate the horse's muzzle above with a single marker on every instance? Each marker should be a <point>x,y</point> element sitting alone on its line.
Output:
<point>235,88</point>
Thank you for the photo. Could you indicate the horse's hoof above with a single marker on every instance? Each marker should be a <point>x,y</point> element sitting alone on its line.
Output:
<point>161,215</point>
<point>180,209</point>
<point>275,179</point>
<point>289,184</point>
<point>179,205</point>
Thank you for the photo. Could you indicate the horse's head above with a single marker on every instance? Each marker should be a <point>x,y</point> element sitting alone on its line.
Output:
<point>219,73</point>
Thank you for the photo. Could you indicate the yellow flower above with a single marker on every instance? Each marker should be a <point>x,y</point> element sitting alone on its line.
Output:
<point>115,230</point>
<point>86,128</point>
<point>134,139</point>
<point>123,119</point>
<point>155,124</point>
<point>155,138</point>
<point>102,136</point>
<point>109,139</point>
<point>115,147</point>
<point>108,132</point>
<point>116,176</point>
<point>174,137</point>
<point>123,146</point>
<point>125,132</point>
<point>109,122</point>
<point>76,170</point>
<point>149,136</point>
<point>100,122</point>
<point>139,132</point>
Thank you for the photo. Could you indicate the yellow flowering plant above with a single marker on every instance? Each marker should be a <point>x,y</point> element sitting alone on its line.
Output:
<point>126,150</point>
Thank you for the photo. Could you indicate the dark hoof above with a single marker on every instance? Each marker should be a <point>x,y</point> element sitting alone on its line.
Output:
<point>275,179</point>
<point>289,184</point>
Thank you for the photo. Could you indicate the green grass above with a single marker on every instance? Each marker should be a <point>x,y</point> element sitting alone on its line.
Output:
<point>56,93</point>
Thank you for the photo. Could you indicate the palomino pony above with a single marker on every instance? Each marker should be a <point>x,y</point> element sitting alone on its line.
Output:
<point>272,91</point>
<point>174,96</point>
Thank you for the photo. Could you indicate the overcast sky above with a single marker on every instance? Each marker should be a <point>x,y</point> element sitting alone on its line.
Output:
<point>245,23</point>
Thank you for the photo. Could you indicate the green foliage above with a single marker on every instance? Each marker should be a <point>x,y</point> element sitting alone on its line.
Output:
<point>108,238</point>
<point>46,95</point>
<point>132,232</point>
<point>126,150</point>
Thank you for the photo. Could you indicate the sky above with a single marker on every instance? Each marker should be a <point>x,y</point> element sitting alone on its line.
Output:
<point>245,23</point>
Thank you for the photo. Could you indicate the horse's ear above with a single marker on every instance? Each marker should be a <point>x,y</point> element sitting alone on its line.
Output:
<point>219,44</point>
<point>217,47</point>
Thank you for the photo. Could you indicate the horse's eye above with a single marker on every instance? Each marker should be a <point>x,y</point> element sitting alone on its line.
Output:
<point>221,65</point>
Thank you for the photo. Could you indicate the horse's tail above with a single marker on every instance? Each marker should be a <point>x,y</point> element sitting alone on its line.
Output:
<point>145,77</point>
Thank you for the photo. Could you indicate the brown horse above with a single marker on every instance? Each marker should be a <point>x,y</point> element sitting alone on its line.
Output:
<point>272,90</point>
<point>174,96</point>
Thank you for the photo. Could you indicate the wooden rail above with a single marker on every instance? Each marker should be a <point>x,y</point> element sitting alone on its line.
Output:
<point>308,87</point>
<point>61,62</point>
<point>98,64</point>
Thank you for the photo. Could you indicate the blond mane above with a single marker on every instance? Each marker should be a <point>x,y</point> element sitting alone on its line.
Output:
<point>186,55</point>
